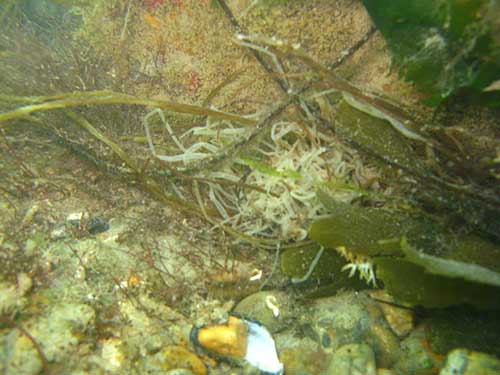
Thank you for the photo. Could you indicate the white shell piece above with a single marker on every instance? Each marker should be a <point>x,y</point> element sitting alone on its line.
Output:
<point>261,349</point>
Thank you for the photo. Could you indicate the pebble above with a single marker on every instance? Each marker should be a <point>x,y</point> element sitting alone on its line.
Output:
<point>57,334</point>
<point>415,356</point>
<point>12,296</point>
<point>300,355</point>
<point>465,362</point>
<point>273,309</point>
<point>173,358</point>
<point>400,319</point>
<point>179,371</point>
<point>349,318</point>
<point>353,359</point>
<point>111,354</point>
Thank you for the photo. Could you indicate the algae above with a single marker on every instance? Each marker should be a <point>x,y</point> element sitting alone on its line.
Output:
<point>444,47</point>
<point>411,284</point>
<point>371,231</point>
<point>412,276</point>
<point>431,281</point>
<point>377,135</point>
<point>451,268</point>
<point>295,263</point>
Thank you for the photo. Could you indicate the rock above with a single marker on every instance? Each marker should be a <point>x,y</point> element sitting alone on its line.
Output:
<point>170,358</point>
<point>112,355</point>
<point>97,225</point>
<point>464,362</point>
<point>231,284</point>
<point>352,318</point>
<point>416,356</point>
<point>400,319</point>
<point>352,359</point>
<point>386,343</point>
<point>179,371</point>
<point>59,233</point>
<point>271,308</point>
<point>57,334</point>
<point>12,295</point>
<point>300,355</point>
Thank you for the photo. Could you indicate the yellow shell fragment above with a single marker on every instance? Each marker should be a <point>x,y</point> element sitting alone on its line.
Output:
<point>227,340</point>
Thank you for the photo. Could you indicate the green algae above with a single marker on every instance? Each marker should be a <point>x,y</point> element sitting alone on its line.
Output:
<point>376,135</point>
<point>411,284</point>
<point>295,263</point>
<point>370,231</point>
<point>444,47</point>
<point>451,268</point>
<point>459,274</point>
<point>431,281</point>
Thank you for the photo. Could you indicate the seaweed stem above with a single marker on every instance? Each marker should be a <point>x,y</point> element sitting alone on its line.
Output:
<point>108,97</point>
<point>125,23</point>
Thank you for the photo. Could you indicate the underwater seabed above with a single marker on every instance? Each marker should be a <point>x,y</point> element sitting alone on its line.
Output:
<point>193,187</point>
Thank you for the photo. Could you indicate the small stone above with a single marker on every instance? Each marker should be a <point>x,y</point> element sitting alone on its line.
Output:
<point>24,283</point>
<point>111,354</point>
<point>386,342</point>
<point>75,218</point>
<point>175,357</point>
<point>97,225</point>
<point>415,356</point>
<point>352,317</point>
<point>30,214</point>
<point>400,319</point>
<point>353,359</point>
<point>59,233</point>
<point>30,246</point>
<point>300,355</point>
<point>92,224</point>
<point>465,362</point>
<point>12,295</point>
<point>271,308</point>
<point>179,371</point>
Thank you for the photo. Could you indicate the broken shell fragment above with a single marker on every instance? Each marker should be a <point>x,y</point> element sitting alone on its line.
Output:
<point>239,339</point>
